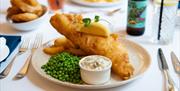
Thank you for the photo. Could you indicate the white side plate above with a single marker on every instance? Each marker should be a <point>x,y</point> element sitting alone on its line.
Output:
<point>139,58</point>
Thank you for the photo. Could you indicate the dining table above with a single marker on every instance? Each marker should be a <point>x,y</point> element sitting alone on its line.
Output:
<point>151,80</point>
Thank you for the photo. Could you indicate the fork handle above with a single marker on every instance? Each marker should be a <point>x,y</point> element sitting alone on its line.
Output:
<point>24,69</point>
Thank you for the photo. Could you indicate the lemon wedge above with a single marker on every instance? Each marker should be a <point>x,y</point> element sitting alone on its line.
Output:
<point>167,2</point>
<point>96,28</point>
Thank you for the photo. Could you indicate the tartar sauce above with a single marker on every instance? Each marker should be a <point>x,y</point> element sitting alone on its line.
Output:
<point>95,63</point>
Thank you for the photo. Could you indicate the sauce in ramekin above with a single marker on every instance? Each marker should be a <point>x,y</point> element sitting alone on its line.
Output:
<point>95,63</point>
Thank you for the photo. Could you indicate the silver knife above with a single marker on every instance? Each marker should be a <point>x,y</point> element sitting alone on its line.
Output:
<point>170,85</point>
<point>176,63</point>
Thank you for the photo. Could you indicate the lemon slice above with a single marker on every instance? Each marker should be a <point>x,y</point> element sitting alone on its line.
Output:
<point>96,28</point>
<point>167,2</point>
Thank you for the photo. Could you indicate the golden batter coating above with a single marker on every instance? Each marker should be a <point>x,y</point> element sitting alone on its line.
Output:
<point>23,17</point>
<point>26,7</point>
<point>25,10</point>
<point>13,10</point>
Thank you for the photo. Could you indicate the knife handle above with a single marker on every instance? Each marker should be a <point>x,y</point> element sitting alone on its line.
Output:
<point>170,85</point>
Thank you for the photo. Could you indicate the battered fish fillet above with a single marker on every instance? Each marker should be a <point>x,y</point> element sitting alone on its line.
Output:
<point>69,25</point>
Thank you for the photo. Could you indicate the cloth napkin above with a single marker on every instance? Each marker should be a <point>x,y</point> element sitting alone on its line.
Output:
<point>12,42</point>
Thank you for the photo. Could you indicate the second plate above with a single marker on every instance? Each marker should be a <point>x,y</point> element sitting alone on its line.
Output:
<point>97,4</point>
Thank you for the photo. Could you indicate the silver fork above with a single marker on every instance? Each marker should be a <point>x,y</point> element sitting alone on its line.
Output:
<point>23,48</point>
<point>37,43</point>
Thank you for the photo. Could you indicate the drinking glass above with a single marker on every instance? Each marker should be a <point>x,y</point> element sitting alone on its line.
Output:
<point>168,21</point>
<point>56,5</point>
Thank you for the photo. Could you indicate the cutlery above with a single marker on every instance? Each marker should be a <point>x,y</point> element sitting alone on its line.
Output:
<point>23,48</point>
<point>170,86</point>
<point>37,43</point>
<point>176,65</point>
<point>110,13</point>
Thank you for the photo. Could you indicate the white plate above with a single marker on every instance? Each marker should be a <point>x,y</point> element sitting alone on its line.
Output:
<point>4,53</point>
<point>139,58</point>
<point>99,4</point>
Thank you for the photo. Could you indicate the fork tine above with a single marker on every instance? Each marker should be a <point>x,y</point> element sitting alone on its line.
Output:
<point>35,41</point>
<point>38,40</point>
<point>22,43</point>
<point>25,43</point>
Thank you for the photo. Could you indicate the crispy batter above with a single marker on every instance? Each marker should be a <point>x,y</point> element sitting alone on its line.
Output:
<point>25,10</point>
<point>69,25</point>
<point>77,52</point>
<point>53,50</point>
<point>29,6</point>
<point>31,2</point>
<point>13,10</point>
<point>23,17</point>
<point>64,44</point>
<point>41,11</point>
<point>26,7</point>
<point>60,42</point>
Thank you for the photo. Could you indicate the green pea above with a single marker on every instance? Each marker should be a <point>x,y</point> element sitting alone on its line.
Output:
<point>64,67</point>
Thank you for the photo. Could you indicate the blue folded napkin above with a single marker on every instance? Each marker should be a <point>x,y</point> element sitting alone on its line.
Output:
<point>12,42</point>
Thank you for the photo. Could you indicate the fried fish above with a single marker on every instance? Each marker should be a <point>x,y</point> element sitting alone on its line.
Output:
<point>69,25</point>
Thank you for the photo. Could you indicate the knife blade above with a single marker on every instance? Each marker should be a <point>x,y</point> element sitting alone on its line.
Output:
<point>175,62</point>
<point>163,62</point>
<point>169,83</point>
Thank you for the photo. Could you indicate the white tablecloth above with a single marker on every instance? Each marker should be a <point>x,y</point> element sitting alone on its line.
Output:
<point>151,81</point>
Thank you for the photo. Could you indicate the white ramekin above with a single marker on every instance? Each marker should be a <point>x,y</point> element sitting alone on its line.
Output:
<point>95,77</point>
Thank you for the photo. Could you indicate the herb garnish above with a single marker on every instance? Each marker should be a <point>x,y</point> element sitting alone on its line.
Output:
<point>87,21</point>
<point>96,18</point>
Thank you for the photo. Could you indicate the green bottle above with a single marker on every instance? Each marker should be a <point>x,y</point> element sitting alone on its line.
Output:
<point>136,17</point>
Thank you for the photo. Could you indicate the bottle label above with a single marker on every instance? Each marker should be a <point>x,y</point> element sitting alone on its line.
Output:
<point>136,14</point>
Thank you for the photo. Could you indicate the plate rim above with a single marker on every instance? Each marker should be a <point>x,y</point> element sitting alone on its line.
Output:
<point>102,86</point>
<point>105,4</point>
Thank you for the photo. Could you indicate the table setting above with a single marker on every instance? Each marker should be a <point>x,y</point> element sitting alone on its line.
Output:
<point>93,45</point>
